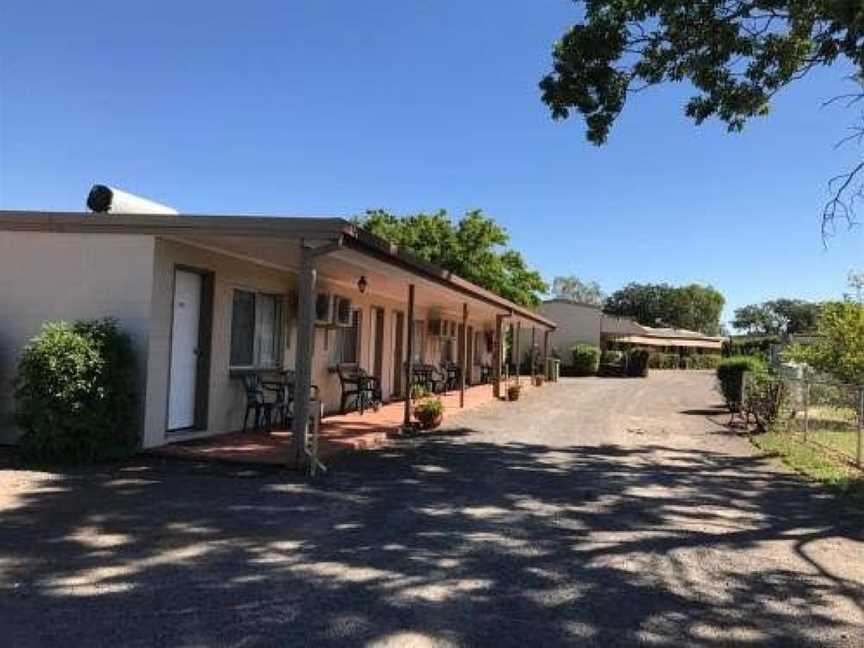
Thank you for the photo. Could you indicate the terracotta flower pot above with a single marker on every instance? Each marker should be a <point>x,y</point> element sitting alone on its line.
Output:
<point>513,392</point>
<point>428,420</point>
<point>538,381</point>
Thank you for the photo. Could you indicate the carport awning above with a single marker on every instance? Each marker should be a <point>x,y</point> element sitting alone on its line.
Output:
<point>685,343</point>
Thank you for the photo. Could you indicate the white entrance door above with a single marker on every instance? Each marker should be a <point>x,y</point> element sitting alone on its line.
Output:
<point>184,350</point>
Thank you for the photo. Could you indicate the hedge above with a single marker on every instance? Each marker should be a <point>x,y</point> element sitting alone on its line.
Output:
<point>745,346</point>
<point>660,360</point>
<point>765,398</point>
<point>730,376</point>
<point>75,393</point>
<point>637,363</point>
<point>704,361</point>
<point>586,359</point>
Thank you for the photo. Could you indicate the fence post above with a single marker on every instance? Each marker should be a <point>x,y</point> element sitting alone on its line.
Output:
<point>806,408</point>
<point>860,424</point>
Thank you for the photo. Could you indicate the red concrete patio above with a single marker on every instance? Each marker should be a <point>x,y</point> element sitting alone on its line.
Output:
<point>351,431</point>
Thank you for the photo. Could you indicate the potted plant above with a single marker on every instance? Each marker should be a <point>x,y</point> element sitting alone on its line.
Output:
<point>538,380</point>
<point>429,413</point>
<point>418,392</point>
<point>513,391</point>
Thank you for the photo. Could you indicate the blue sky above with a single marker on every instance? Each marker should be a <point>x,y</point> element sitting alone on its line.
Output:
<point>329,108</point>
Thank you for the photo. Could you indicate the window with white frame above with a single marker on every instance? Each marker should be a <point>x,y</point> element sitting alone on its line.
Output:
<point>345,346</point>
<point>256,330</point>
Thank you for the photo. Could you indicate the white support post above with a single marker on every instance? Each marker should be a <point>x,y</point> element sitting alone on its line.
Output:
<point>546,354</point>
<point>463,355</point>
<point>533,360</point>
<point>498,355</point>
<point>409,361</point>
<point>516,340</point>
<point>303,363</point>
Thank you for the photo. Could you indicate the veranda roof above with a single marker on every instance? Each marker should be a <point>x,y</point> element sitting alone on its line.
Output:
<point>274,241</point>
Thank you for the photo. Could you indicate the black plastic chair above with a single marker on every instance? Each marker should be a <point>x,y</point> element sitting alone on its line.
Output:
<point>357,384</point>
<point>284,407</point>
<point>430,378</point>
<point>452,373</point>
<point>257,403</point>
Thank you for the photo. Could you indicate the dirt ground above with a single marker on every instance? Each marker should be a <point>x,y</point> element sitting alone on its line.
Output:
<point>593,512</point>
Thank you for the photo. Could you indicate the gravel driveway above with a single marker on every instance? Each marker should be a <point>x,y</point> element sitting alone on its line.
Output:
<point>593,512</point>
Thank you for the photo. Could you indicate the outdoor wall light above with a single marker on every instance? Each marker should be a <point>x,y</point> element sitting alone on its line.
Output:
<point>361,284</point>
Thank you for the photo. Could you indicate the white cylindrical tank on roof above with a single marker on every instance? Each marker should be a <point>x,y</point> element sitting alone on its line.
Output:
<point>103,199</point>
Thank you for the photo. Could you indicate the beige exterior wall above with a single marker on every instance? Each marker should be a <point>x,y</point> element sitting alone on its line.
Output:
<point>226,398</point>
<point>50,276</point>
<point>577,324</point>
<point>226,395</point>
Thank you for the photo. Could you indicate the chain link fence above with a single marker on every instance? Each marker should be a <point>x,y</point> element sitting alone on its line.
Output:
<point>823,414</point>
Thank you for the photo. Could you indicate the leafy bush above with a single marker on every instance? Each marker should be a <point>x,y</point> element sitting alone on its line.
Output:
<point>765,398</point>
<point>75,393</point>
<point>659,360</point>
<point>612,363</point>
<point>586,359</point>
<point>704,361</point>
<point>611,357</point>
<point>730,373</point>
<point>750,345</point>
<point>637,363</point>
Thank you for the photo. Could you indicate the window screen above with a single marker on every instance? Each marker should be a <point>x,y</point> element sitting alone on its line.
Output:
<point>256,330</point>
<point>243,329</point>
<point>345,342</point>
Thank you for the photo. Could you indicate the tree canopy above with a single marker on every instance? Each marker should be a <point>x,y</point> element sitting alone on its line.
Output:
<point>474,247</point>
<point>737,55</point>
<point>838,349</point>
<point>574,288</point>
<point>693,307</point>
<point>777,317</point>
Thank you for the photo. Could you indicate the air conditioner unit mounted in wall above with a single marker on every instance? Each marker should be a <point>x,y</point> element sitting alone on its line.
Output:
<point>342,311</point>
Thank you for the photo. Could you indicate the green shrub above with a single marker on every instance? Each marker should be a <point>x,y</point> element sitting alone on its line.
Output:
<point>611,357</point>
<point>586,359</point>
<point>75,394</point>
<point>750,345</point>
<point>659,360</point>
<point>730,374</point>
<point>612,363</point>
<point>705,361</point>
<point>765,398</point>
<point>637,363</point>
<point>418,392</point>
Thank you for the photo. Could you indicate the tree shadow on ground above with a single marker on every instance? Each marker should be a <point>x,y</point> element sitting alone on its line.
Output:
<point>448,538</point>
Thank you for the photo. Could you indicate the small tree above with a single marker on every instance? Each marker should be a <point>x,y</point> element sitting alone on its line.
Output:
<point>75,393</point>
<point>838,349</point>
